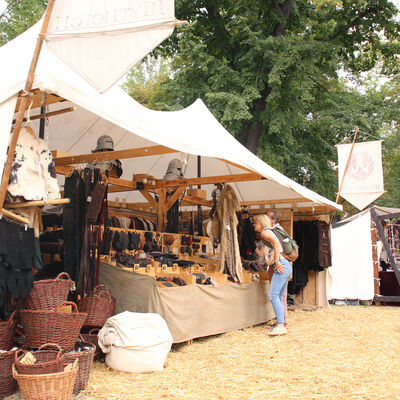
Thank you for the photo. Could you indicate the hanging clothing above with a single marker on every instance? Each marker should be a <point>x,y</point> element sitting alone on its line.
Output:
<point>17,257</point>
<point>227,207</point>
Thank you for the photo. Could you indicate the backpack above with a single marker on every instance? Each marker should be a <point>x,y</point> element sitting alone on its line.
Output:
<point>289,246</point>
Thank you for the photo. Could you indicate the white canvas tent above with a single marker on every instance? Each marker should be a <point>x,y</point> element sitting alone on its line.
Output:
<point>352,275</point>
<point>193,131</point>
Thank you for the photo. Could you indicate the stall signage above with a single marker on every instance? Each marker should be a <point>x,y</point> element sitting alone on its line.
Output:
<point>102,40</point>
<point>363,179</point>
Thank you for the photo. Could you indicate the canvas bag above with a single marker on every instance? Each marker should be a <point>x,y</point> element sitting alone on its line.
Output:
<point>290,248</point>
<point>135,342</point>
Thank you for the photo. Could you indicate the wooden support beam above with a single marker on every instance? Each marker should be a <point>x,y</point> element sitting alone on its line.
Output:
<point>273,202</point>
<point>206,180</point>
<point>118,189</point>
<point>36,203</point>
<point>149,198</point>
<point>16,217</point>
<point>122,182</point>
<point>114,155</point>
<point>190,200</point>
<point>49,114</point>
<point>39,99</point>
<point>131,206</point>
<point>161,205</point>
<point>175,196</point>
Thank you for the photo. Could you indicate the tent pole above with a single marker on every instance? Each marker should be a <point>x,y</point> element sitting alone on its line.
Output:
<point>24,103</point>
<point>345,170</point>
<point>199,211</point>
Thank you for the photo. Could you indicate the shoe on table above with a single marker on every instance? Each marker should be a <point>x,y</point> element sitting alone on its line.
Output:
<point>278,330</point>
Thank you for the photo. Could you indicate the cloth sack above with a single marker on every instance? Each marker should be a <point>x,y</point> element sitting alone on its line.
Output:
<point>135,342</point>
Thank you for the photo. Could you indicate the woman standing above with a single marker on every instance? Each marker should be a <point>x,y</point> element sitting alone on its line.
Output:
<point>281,275</point>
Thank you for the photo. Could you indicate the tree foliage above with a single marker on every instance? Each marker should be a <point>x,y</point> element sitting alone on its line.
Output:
<point>268,70</point>
<point>21,15</point>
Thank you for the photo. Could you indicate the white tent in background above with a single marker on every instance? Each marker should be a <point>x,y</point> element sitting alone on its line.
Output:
<point>351,276</point>
<point>192,131</point>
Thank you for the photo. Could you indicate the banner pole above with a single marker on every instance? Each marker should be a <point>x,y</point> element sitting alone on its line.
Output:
<point>23,104</point>
<point>345,170</point>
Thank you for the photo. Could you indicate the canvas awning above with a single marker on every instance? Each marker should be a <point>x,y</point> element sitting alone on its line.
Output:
<point>193,131</point>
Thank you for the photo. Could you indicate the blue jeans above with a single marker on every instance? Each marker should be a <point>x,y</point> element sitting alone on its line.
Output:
<point>277,290</point>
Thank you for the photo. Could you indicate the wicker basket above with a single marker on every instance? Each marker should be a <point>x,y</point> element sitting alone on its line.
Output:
<point>84,353</point>
<point>102,288</point>
<point>92,337</point>
<point>47,361</point>
<point>8,385</point>
<point>57,386</point>
<point>99,306</point>
<point>7,332</point>
<point>47,293</point>
<point>44,326</point>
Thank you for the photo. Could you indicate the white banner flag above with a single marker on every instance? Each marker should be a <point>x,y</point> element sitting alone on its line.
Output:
<point>363,182</point>
<point>103,39</point>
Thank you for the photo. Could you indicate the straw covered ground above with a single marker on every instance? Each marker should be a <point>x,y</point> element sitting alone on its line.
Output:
<point>345,352</point>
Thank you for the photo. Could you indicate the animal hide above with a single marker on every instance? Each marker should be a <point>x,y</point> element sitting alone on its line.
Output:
<point>33,174</point>
<point>227,207</point>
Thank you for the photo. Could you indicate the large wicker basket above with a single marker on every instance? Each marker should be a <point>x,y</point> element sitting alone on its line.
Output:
<point>57,386</point>
<point>84,353</point>
<point>8,385</point>
<point>92,337</point>
<point>99,306</point>
<point>47,293</point>
<point>47,361</point>
<point>7,332</point>
<point>45,326</point>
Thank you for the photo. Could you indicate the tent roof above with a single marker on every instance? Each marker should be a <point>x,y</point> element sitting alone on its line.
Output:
<point>381,212</point>
<point>387,212</point>
<point>193,131</point>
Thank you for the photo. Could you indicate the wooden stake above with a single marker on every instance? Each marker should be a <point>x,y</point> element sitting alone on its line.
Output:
<point>24,104</point>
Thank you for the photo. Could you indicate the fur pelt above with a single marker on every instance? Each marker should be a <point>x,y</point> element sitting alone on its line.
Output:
<point>227,207</point>
<point>33,174</point>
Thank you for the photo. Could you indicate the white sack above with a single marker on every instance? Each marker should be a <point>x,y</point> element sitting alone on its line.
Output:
<point>135,342</point>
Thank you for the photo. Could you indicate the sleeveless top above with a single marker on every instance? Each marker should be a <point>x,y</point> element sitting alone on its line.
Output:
<point>270,245</point>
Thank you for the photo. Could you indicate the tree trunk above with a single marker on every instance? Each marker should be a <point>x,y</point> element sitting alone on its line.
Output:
<point>253,137</point>
<point>254,132</point>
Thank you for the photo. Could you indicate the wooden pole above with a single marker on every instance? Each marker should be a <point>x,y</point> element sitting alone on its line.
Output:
<point>46,115</point>
<point>345,170</point>
<point>24,104</point>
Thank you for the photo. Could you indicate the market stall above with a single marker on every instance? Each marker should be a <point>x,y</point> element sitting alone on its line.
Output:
<point>146,142</point>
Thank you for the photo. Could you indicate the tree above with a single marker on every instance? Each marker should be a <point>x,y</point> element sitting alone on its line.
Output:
<point>268,70</point>
<point>20,15</point>
<point>144,82</point>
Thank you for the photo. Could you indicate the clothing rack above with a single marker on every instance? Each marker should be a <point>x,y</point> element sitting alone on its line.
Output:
<point>299,218</point>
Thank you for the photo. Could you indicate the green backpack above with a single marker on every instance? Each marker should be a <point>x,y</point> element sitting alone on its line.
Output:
<point>289,246</point>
